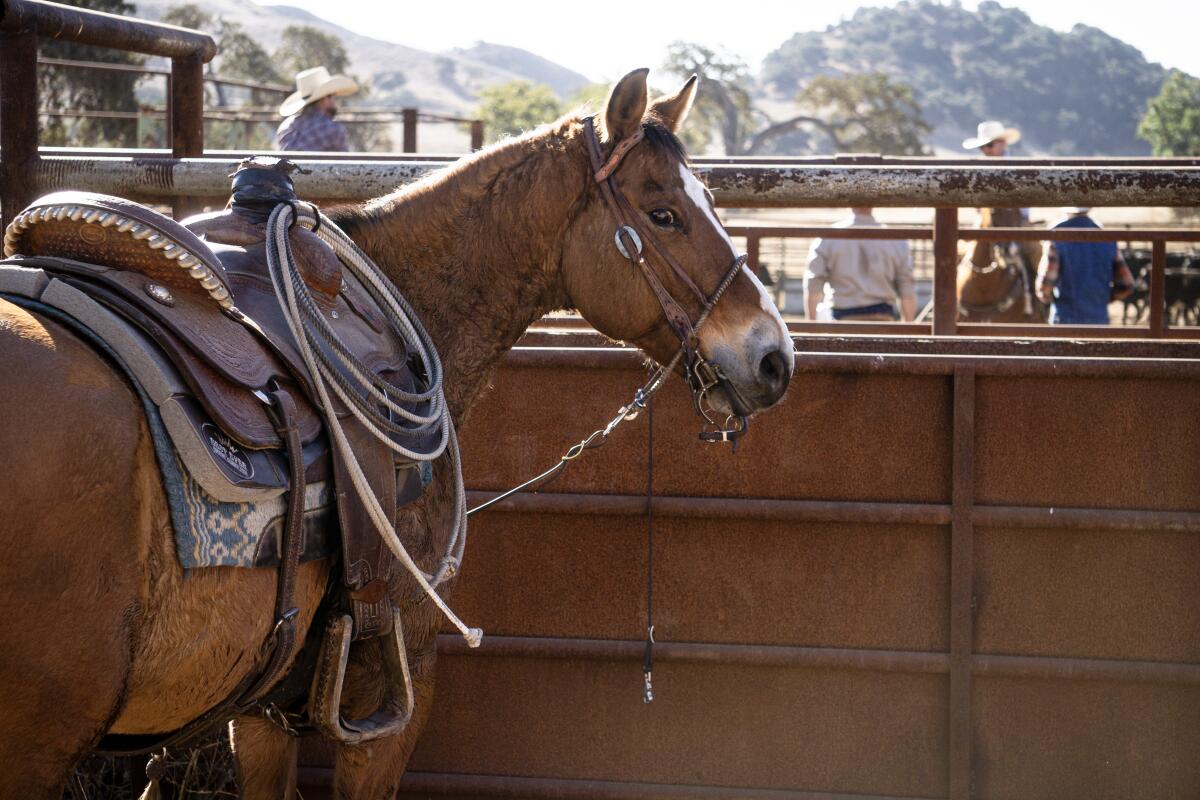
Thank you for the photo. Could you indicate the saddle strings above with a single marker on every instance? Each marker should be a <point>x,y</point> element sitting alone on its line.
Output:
<point>328,360</point>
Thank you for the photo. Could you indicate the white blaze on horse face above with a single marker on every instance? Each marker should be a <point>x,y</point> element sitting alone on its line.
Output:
<point>697,194</point>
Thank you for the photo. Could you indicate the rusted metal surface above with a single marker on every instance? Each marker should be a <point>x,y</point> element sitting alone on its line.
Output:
<point>18,120</point>
<point>409,122</point>
<point>910,582</point>
<point>758,232</point>
<point>791,186</point>
<point>961,186</point>
<point>56,21</point>
<point>327,179</point>
<point>962,582</point>
<point>1158,292</point>
<point>945,264</point>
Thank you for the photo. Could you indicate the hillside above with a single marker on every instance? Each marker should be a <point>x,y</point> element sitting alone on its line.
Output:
<point>564,82</point>
<point>1076,93</point>
<point>399,75</point>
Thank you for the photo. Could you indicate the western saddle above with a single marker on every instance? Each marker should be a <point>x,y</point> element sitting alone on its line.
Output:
<point>202,291</point>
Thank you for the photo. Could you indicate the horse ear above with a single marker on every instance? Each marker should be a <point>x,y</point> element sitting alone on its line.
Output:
<point>674,109</point>
<point>626,105</point>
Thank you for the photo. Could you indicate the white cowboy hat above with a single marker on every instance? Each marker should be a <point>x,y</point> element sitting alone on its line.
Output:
<point>990,131</point>
<point>1075,209</point>
<point>312,85</point>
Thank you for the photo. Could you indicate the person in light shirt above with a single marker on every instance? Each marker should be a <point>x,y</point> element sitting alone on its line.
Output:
<point>865,277</point>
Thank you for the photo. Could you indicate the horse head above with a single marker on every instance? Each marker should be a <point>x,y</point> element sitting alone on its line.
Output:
<point>645,259</point>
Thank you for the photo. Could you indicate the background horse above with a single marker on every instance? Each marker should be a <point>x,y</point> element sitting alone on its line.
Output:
<point>995,282</point>
<point>106,632</point>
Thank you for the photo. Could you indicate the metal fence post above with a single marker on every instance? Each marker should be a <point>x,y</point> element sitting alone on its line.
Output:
<point>409,142</point>
<point>186,112</point>
<point>18,120</point>
<point>945,267</point>
<point>962,584</point>
<point>1158,286</point>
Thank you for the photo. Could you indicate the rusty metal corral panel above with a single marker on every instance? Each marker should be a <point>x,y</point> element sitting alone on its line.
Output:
<point>1088,594</point>
<point>1048,740</point>
<point>584,720</point>
<point>726,581</point>
<point>879,455</point>
<point>1089,442</point>
<point>943,569</point>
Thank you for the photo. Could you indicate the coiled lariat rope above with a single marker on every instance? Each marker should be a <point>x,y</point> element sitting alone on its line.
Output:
<point>333,367</point>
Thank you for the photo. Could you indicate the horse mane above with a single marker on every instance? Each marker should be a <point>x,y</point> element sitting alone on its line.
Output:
<point>506,155</point>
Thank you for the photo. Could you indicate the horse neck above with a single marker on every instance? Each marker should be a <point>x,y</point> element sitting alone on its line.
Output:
<point>475,250</point>
<point>981,254</point>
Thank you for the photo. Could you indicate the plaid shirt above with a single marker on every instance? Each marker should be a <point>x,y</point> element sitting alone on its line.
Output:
<point>311,129</point>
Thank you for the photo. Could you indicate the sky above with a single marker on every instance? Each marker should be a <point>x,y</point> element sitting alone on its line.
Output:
<point>627,35</point>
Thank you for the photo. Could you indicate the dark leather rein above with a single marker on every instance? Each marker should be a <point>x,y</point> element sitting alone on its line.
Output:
<point>631,237</point>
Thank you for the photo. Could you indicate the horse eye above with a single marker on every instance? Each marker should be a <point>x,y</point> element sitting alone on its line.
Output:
<point>663,218</point>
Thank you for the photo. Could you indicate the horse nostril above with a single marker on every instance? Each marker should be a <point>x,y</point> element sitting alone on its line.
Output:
<point>773,372</point>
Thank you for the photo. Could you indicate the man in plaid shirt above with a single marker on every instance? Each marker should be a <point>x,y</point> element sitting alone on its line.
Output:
<point>310,111</point>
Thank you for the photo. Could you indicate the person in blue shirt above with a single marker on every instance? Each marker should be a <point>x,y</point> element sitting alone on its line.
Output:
<point>1080,279</point>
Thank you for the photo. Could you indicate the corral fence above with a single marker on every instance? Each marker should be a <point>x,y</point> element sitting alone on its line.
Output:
<point>264,117</point>
<point>958,561</point>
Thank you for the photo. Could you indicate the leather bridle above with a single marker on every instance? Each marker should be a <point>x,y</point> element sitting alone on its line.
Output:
<point>634,240</point>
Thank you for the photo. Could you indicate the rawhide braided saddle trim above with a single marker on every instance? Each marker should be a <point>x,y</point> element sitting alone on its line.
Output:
<point>80,225</point>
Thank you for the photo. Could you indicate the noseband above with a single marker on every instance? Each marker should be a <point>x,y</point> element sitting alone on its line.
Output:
<point>630,239</point>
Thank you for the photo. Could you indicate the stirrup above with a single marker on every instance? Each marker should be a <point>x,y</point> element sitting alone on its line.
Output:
<point>325,700</point>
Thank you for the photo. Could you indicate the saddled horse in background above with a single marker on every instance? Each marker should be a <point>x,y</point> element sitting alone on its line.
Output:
<point>105,632</point>
<point>995,282</point>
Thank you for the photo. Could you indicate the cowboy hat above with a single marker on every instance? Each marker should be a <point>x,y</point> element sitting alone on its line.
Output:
<point>312,85</point>
<point>990,131</point>
<point>1075,210</point>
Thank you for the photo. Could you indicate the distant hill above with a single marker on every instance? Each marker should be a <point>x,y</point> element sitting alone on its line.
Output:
<point>1075,93</point>
<point>400,75</point>
<point>564,82</point>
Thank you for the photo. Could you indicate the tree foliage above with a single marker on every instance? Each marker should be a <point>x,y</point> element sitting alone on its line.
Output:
<point>1172,121</point>
<point>303,46</point>
<point>72,88</point>
<point>510,108</point>
<point>863,113</point>
<point>723,104</point>
<point>1079,92</point>
<point>866,113</point>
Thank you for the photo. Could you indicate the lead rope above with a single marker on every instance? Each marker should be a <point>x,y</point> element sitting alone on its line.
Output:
<point>311,333</point>
<point>648,656</point>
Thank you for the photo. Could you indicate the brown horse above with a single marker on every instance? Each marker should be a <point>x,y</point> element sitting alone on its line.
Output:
<point>104,630</point>
<point>995,284</point>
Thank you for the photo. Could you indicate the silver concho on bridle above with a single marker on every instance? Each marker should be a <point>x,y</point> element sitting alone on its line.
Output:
<point>633,236</point>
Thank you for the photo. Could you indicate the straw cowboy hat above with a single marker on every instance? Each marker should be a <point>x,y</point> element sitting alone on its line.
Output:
<point>990,131</point>
<point>312,85</point>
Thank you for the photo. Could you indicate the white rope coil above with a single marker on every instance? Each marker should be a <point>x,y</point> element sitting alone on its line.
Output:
<point>327,361</point>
